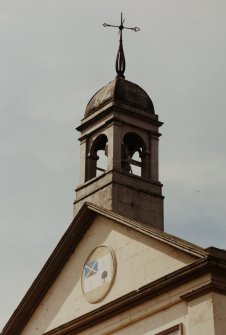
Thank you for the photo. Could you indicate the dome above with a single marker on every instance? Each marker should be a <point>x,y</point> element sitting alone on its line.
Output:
<point>121,91</point>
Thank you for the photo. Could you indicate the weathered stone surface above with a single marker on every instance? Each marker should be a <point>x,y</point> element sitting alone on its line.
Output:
<point>123,91</point>
<point>131,196</point>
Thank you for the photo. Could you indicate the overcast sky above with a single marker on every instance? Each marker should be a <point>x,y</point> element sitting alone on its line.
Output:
<point>54,55</point>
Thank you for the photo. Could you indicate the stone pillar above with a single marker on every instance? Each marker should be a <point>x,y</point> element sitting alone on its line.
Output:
<point>83,162</point>
<point>154,158</point>
<point>114,146</point>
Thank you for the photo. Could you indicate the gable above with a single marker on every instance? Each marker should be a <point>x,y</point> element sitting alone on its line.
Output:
<point>141,259</point>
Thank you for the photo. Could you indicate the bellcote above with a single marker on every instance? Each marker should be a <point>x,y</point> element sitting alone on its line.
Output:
<point>119,149</point>
<point>119,153</point>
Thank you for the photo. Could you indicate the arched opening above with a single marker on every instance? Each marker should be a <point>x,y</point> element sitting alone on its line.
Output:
<point>97,159</point>
<point>133,150</point>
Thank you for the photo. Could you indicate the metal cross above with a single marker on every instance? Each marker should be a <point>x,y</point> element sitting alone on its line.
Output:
<point>120,64</point>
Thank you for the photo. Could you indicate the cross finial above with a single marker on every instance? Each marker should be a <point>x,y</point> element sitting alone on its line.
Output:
<point>120,64</point>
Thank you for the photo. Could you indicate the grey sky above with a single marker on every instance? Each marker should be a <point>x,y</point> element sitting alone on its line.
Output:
<point>55,55</point>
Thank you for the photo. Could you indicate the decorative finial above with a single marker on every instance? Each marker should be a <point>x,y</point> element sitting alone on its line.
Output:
<point>120,64</point>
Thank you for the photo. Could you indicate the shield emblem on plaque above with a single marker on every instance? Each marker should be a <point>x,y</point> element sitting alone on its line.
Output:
<point>98,273</point>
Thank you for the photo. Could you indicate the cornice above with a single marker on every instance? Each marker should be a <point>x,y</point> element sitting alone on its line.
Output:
<point>145,293</point>
<point>114,111</point>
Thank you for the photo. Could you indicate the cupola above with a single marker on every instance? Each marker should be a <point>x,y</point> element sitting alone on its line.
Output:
<point>123,92</point>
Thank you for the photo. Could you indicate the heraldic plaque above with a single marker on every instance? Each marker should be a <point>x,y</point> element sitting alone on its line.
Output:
<point>98,273</point>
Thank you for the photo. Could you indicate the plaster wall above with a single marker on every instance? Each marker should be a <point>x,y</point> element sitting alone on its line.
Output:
<point>201,317</point>
<point>140,260</point>
<point>219,308</point>
<point>160,314</point>
<point>158,322</point>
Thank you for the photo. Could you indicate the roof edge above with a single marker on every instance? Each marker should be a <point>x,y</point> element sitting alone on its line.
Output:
<point>150,231</point>
<point>66,247</point>
<point>49,272</point>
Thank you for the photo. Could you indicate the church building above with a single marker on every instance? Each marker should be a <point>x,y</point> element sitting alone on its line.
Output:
<point>115,270</point>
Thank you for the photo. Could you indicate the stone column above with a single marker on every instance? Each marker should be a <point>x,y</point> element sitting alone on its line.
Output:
<point>154,158</point>
<point>114,146</point>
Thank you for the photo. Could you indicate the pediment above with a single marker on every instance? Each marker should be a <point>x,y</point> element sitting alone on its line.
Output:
<point>142,255</point>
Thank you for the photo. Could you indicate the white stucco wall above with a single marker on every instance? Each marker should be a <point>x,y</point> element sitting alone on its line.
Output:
<point>201,320</point>
<point>162,313</point>
<point>140,260</point>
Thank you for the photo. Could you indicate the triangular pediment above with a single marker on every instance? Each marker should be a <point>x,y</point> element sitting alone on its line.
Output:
<point>101,257</point>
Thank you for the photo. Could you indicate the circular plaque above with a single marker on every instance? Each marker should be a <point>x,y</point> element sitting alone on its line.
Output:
<point>98,273</point>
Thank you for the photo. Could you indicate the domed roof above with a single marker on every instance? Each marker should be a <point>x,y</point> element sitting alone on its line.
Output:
<point>121,91</point>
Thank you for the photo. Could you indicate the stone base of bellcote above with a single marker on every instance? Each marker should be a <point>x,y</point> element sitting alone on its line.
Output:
<point>130,196</point>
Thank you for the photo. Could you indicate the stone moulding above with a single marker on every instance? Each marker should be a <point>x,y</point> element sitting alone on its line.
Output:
<point>177,328</point>
<point>150,291</point>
